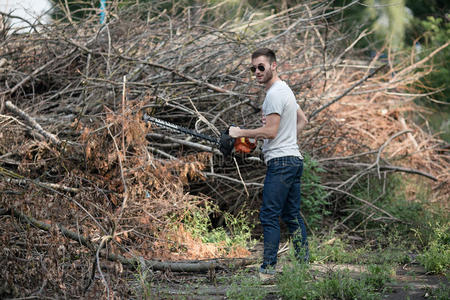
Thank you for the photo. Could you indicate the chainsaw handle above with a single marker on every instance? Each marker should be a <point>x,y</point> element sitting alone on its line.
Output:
<point>226,142</point>
<point>240,145</point>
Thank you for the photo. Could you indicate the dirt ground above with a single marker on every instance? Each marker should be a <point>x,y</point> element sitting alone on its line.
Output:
<point>411,282</point>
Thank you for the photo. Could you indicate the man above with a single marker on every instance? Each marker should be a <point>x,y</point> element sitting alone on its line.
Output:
<point>282,120</point>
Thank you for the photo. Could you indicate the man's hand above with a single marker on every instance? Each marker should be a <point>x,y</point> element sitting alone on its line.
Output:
<point>234,132</point>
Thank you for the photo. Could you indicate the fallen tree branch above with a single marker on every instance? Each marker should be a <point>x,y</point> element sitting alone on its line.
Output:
<point>44,226</point>
<point>377,162</point>
<point>44,184</point>
<point>160,66</point>
<point>53,138</point>
<point>406,170</point>
<point>12,177</point>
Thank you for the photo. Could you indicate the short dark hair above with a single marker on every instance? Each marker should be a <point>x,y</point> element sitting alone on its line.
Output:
<point>266,52</point>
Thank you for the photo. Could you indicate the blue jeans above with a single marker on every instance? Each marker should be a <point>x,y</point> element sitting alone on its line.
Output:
<point>281,198</point>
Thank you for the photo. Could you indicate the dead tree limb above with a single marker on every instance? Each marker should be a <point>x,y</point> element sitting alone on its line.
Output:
<point>53,138</point>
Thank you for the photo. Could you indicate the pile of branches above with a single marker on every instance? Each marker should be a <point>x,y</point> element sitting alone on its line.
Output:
<point>75,155</point>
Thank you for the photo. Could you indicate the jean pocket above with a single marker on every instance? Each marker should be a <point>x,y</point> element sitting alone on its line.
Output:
<point>275,168</point>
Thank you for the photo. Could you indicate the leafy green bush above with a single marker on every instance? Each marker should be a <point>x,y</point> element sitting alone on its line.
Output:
<point>314,204</point>
<point>237,231</point>
<point>436,257</point>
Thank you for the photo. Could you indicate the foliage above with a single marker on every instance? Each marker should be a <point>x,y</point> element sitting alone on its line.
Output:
<point>236,232</point>
<point>436,257</point>
<point>382,192</point>
<point>419,27</point>
<point>436,32</point>
<point>421,224</point>
<point>414,213</point>
<point>314,204</point>
<point>294,282</point>
<point>424,8</point>
<point>378,275</point>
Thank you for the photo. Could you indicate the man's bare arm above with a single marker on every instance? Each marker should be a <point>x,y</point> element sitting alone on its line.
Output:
<point>301,120</point>
<point>268,131</point>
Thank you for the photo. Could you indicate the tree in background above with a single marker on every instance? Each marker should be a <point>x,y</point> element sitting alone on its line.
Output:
<point>431,29</point>
<point>389,20</point>
<point>74,10</point>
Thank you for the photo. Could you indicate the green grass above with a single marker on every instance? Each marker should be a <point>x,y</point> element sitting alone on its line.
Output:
<point>246,286</point>
<point>298,282</point>
<point>333,248</point>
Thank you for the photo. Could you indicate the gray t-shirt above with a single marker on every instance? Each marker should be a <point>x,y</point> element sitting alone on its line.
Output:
<point>281,100</point>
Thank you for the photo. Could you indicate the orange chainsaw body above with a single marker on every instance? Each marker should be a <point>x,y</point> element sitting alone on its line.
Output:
<point>243,145</point>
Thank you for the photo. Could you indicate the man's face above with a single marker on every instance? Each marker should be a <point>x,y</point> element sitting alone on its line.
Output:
<point>263,76</point>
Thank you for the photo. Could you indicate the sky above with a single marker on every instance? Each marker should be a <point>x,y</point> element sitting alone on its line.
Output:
<point>27,9</point>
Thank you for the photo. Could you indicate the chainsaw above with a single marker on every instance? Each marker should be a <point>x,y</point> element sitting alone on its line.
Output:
<point>225,142</point>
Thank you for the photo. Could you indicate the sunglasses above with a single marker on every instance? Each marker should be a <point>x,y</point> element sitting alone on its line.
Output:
<point>260,67</point>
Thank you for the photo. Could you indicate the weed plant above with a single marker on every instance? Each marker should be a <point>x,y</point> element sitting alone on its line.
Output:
<point>143,282</point>
<point>331,248</point>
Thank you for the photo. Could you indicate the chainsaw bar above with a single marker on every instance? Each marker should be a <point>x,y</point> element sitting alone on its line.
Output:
<point>177,128</point>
